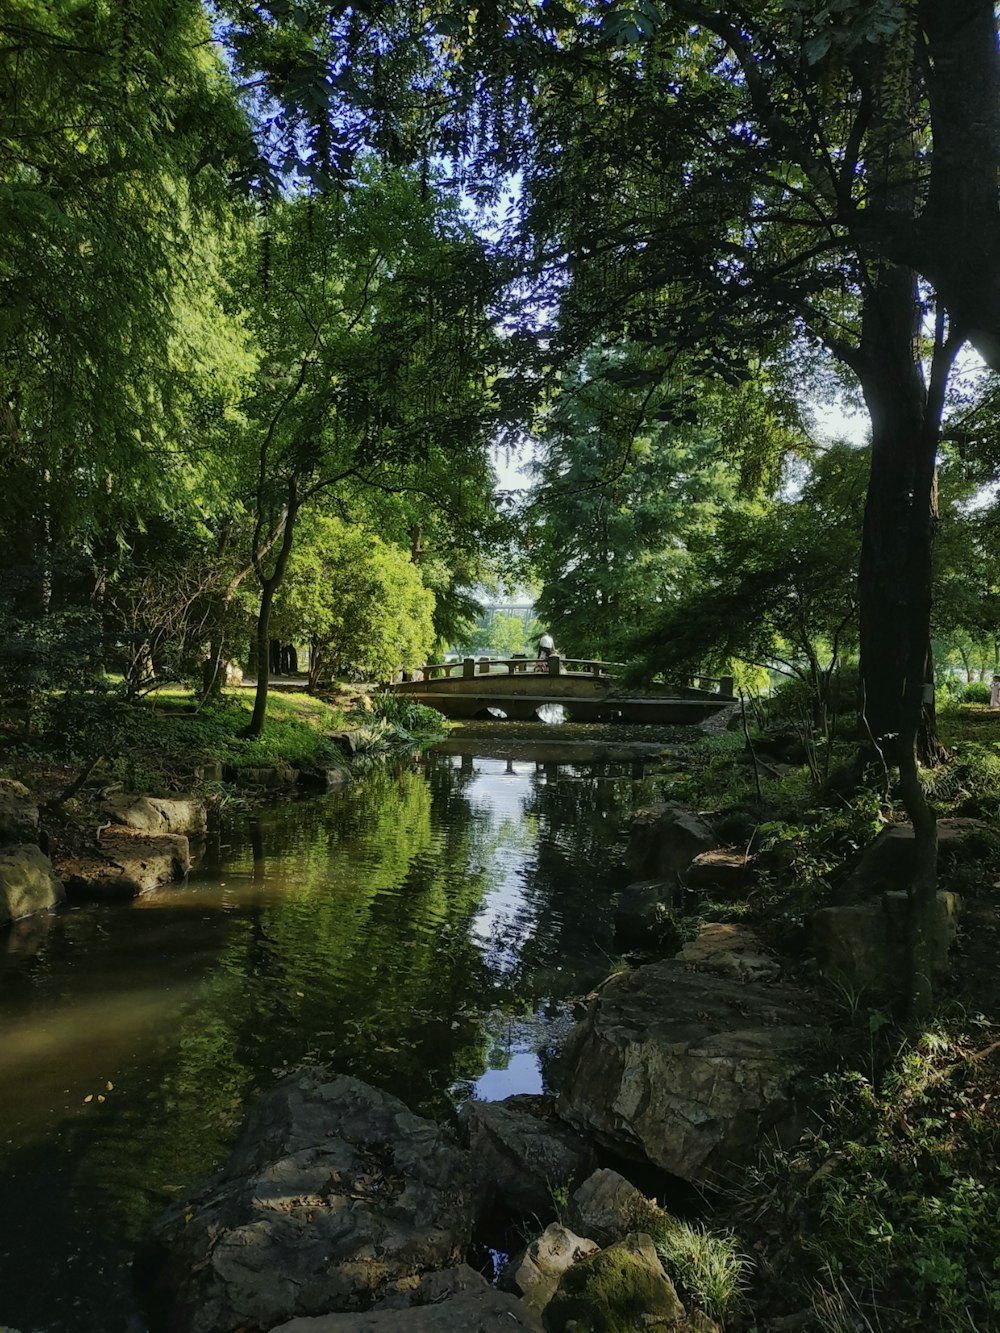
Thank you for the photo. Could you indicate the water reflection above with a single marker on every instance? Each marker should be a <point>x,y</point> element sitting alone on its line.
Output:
<point>419,929</point>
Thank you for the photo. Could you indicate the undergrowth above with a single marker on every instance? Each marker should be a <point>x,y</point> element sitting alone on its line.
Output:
<point>887,1213</point>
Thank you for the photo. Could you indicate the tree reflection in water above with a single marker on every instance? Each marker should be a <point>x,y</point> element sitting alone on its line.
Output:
<point>418,929</point>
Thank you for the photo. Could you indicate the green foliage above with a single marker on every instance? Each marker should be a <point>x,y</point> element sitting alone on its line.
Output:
<point>361,603</point>
<point>149,741</point>
<point>628,473</point>
<point>975,692</point>
<point>972,775</point>
<point>895,1197</point>
<point>408,716</point>
<point>118,128</point>
<point>58,652</point>
<point>764,590</point>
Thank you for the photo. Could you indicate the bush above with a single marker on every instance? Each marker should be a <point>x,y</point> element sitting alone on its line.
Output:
<point>893,1204</point>
<point>408,716</point>
<point>976,692</point>
<point>794,700</point>
<point>972,775</point>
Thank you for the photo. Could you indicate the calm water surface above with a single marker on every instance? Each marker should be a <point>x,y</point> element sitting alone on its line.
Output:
<point>420,930</point>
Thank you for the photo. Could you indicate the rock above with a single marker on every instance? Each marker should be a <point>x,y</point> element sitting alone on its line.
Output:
<point>269,776</point>
<point>520,1149</point>
<point>157,814</point>
<point>731,950</point>
<point>726,719</point>
<point>619,1290</point>
<point>643,916</point>
<point>535,1275</point>
<point>723,872</point>
<point>608,1207</point>
<point>328,778</point>
<point>887,863</point>
<point>28,883</point>
<point>126,863</point>
<point>348,741</point>
<point>663,839</point>
<point>210,770</point>
<point>18,813</point>
<point>688,1070</point>
<point>699,1322</point>
<point>458,1300</point>
<point>334,1191</point>
<point>862,945</point>
<point>784,747</point>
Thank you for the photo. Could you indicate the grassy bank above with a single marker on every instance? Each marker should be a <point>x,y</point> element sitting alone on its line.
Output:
<point>167,742</point>
<point>886,1214</point>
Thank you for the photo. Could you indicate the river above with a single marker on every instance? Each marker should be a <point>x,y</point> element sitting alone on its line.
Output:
<point>423,929</point>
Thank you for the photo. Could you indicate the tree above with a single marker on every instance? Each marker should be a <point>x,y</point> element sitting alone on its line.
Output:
<point>119,133</point>
<point>376,361</point>
<point>632,468</point>
<point>776,172</point>
<point>764,590</point>
<point>361,603</point>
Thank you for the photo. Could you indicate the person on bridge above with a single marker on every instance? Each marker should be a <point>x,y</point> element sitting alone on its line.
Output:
<point>546,645</point>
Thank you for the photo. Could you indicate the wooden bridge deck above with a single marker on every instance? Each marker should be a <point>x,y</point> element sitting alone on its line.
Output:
<point>512,688</point>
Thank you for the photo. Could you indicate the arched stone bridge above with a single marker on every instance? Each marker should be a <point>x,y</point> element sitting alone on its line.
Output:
<point>590,691</point>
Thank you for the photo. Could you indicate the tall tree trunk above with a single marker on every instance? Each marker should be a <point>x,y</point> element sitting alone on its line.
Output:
<point>900,512</point>
<point>269,584</point>
<point>896,577</point>
<point>316,665</point>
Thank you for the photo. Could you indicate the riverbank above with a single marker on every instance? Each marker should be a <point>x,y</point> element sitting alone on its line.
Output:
<point>884,1210</point>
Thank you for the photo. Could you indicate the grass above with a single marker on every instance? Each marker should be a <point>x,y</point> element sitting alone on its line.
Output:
<point>297,731</point>
<point>708,1266</point>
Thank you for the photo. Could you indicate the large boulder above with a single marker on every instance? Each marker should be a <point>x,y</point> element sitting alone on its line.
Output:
<point>158,814</point>
<point>730,950</point>
<point>723,872</point>
<point>618,1290</point>
<point>608,1207</point>
<point>127,862</point>
<point>862,945</point>
<point>888,862</point>
<point>269,776</point>
<point>334,1192</point>
<point>457,1300</point>
<point>664,839</point>
<point>523,1152</point>
<point>325,777</point>
<point>18,813</point>
<point>28,883</point>
<point>687,1070</point>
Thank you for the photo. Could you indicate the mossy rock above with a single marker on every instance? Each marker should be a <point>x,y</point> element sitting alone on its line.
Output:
<point>618,1290</point>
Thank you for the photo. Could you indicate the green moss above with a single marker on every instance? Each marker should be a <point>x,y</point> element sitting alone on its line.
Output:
<point>615,1291</point>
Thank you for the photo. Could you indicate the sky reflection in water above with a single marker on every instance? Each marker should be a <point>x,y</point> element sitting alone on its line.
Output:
<point>420,930</point>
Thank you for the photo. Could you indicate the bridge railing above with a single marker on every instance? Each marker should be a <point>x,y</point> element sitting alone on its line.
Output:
<point>520,662</point>
<point>555,665</point>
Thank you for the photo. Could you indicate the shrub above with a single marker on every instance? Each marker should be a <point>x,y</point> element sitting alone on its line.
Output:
<point>406,715</point>
<point>976,692</point>
<point>893,1202</point>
